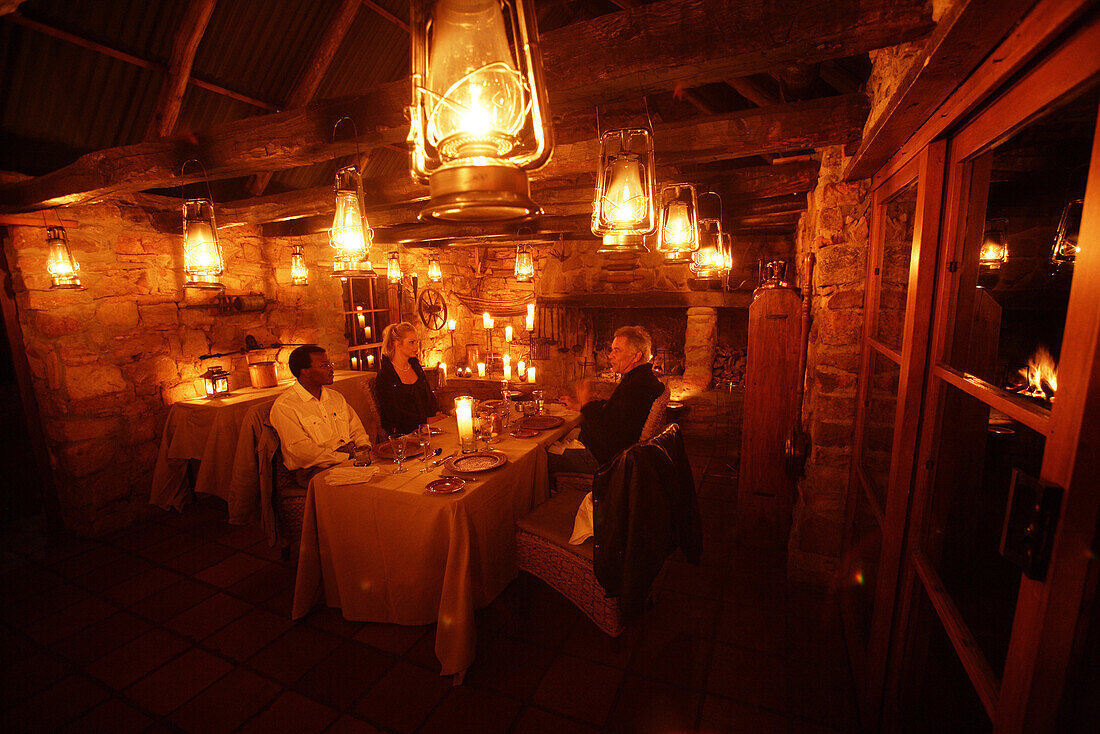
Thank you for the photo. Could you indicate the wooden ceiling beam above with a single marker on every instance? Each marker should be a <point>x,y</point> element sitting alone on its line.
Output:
<point>753,91</point>
<point>114,53</point>
<point>184,46</point>
<point>963,37</point>
<point>379,10</point>
<point>307,84</point>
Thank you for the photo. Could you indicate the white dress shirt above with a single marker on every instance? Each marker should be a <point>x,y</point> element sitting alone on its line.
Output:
<point>310,430</point>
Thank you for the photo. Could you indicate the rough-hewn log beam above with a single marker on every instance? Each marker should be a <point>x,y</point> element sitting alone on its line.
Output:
<point>753,92</point>
<point>307,84</point>
<point>186,43</point>
<point>740,209</point>
<point>387,15</point>
<point>964,36</point>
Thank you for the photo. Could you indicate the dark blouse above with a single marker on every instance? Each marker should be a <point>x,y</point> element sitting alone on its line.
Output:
<point>403,407</point>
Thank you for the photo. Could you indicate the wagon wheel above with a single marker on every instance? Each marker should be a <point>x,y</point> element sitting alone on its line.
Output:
<point>432,308</point>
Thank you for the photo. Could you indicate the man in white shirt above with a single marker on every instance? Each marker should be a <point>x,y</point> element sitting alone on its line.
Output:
<point>316,426</point>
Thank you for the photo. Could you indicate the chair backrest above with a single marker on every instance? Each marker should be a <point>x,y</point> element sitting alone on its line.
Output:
<point>656,419</point>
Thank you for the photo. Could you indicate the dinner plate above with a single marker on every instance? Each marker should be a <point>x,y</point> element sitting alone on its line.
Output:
<point>513,394</point>
<point>524,433</point>
<point>475,463</point>
<point>385,451</point>
<point>541,422</point>
<point>491,404</point>
<point>448,485</point>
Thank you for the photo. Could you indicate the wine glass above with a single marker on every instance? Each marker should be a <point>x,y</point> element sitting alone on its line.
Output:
<point>540,401</point>
<point>424,435</point>
<point>485,428</point>
<point>398,441</point>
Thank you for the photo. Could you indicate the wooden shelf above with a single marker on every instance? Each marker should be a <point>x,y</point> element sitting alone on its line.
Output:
<point>670,299</point>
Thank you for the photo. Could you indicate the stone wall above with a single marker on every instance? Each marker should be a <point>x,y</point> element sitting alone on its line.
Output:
<point>835,229</point>
<point>107,361</point>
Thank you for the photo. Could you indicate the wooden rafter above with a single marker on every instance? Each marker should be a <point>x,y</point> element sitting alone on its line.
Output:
<point>387,15</point>
<point>114,53</point>
<point>307,84</point>
<point>186,43</point>
<point>753,91</point>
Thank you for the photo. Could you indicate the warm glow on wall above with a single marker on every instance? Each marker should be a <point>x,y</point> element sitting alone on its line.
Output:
<point>479,113</point>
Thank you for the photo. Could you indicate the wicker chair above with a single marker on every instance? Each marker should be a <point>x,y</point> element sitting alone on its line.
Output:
<point>653,425</point>
<point>290,505</point>
<point>543,550</point>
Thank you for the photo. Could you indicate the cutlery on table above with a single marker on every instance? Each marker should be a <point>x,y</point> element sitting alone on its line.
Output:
<point>438,461</point>
<point>452,476</point>
<point>431,455</point>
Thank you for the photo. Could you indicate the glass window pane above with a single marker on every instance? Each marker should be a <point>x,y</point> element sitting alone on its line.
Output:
<point>866,547</point>
<point>938,695</point>
<point>978,449</point>
<point>878,424</point>
<point>1013,290</point>
<point>899,218</point>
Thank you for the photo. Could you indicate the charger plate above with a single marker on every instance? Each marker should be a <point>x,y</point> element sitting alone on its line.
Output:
<point>491,404</point>
<point>524,433</point>
<point>475,463</point>
<point>447,485</point>
<point>541,422</point>
<point>385,451</point>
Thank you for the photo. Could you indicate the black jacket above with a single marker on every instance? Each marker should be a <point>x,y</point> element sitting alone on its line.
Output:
<point>402,408</point>
<point>644,508</point>
<point>611,425</point>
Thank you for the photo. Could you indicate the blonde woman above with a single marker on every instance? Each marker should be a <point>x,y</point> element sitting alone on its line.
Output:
<point>404,398</point>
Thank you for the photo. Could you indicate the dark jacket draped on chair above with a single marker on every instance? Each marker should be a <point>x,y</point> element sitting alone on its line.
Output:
<point>644,509</point>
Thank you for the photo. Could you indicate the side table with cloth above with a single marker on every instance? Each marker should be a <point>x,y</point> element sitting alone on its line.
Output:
<point>387,550</point>
<point>209,429</point>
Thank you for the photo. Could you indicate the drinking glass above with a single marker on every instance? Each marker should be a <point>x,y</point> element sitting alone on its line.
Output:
<point>362,456</point>
<point>485,428</point>
<point>397,445</point>
<point>424,434</point>
<point>540,400</point>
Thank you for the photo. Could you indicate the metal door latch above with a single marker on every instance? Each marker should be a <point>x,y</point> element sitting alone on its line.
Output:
<point>1030,521</point>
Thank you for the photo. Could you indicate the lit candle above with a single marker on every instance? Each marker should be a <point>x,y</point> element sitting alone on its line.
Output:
<point>443,367</point>
<point>530,317</point>
<point>368,333</point>
<point>486,321</point>
<point>464,415</point>
<point>507,371</point>
<point>354,362</point>
<point>481,369</point>
<point>531,374</point>
<point>370,360</point>
<point>451,325</point>
<point>362,317</point>
<point>508,334</point>
<point>521,371</point>
<point>507,358</point>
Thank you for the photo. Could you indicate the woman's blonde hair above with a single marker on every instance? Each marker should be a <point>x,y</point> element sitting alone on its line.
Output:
<point>393,334</point>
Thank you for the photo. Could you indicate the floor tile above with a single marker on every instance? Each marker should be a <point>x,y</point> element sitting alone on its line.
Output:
<point>672,657</point>
<point>199,558</point>
<point>128,663</point>
<point>54,707</point>
<point>174,545</point>
<point>242,638</point>
<point>113,716</point>
<point>348,724</point>
<point>30,609</point>
<point>227,703</point>
<point>344,675</point>
<point>74,567</point>
<point>751,626</point>
<point>208,616</point>
<point>537,721</point>
<point>135,589</point>
<point>579,688</point>
<point>396,639</point>
<point>724,715</point>
<point>591,643</point>
<point>28,579</point>
<point>177,681</point>
<point>748,676</point>
<point>288,657</point>
<point>404,697</point>
<point>236,567</point>
<point>113,574</point>
<point>101,638</point>
<point>331,620</point>
<point>142,536</point>
<point>243,536</point>
<point>292,713</point>
<point>645,705</point>
<point>170,601</point>
<point>69,620</point>
<point>22,679</point>
<point>509,666</point>
<point>468,710</point>
<point>692,615</point>
<point>264,584</point>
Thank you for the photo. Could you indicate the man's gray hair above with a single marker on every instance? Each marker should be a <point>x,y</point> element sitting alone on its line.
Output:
<point>638,339</point>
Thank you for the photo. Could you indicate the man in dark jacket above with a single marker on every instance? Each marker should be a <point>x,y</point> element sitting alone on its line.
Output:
<point>609,426</point>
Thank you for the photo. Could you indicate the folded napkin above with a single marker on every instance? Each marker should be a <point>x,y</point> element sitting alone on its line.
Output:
<point>350,474</point>
<point>582,523</point>
<point>568,441</point>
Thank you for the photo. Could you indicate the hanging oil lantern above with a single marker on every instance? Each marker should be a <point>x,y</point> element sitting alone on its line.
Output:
<point>63,269</point>
<point>525,264</point>
<point>709,262</point>
<point>1066,246</point>
<point>202,255</point>
<point>299,273</point>
<point>623,210</point>
<point>216,381</point>
<point>435,272</point>
<point>393,268</point>
<point>994,252</point>
<point>479,113</point>
<point>678,234</point>
<point>350,236</point>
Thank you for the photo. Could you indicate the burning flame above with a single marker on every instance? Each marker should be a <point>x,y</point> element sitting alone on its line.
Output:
<point>1041,370</point>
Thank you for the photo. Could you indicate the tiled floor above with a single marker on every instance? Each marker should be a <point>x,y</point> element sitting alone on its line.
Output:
<point>182,624</point>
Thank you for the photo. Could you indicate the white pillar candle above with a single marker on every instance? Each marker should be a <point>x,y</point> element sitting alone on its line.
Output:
<point>368,333</point>
<point>362,317</point>
<point>464,415</point>
<point>508,334</point>
<point>443,367</point>
<point>451,325</point>
<point>354,362</point>
<point>507,371</point>
<point>521,370</point>
<point>530,322</point>
<point>531,374</point>
<point>481,369</point>
<point>486,321</point>
<point>507,359</point>
<point>370,360</point>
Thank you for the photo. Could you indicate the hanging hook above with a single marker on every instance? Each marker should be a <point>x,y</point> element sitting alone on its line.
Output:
<point>354,132</point>
<point>205,177</point>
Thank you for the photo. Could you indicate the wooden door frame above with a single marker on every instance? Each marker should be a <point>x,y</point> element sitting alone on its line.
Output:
<point>1046,619</point>
<point>927,171</point>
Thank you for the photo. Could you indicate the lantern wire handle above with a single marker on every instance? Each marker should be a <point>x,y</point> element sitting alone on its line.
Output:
<point>205,178</point>
<point>354,131</point>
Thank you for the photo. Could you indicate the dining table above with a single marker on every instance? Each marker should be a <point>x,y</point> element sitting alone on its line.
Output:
<point>208,430</point>
<point>388,550</point>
